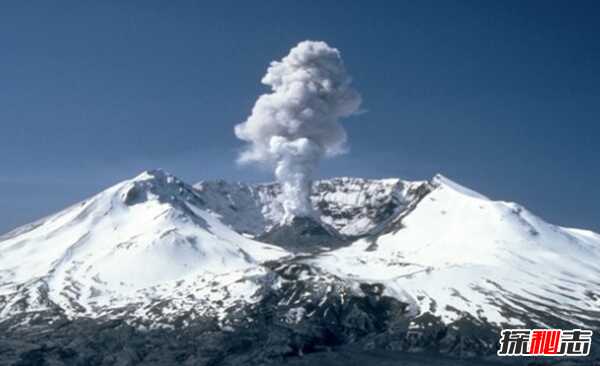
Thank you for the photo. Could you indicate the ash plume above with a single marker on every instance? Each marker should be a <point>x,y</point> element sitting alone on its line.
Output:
<point>297,124</point>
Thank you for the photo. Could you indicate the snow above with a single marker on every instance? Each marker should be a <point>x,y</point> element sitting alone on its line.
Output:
<point>442,181</point>
<point>457,244</point>
<point>167,247</point>
<point>108,248</point>
<point>352,206</point>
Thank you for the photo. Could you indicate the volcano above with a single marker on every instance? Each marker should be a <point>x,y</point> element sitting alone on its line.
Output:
<point>143,271</point>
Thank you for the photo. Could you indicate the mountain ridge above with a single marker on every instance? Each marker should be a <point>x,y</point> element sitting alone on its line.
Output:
<point>431,257</point>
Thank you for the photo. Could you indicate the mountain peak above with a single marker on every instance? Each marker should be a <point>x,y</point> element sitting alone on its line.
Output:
<point>155,184</point>
<point>157,175</point>
<point>440,180</point>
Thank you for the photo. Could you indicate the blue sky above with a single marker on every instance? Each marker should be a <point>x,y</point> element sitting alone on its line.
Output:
<point>501,96</point>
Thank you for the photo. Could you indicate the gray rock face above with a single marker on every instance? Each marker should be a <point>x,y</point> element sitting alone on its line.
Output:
<point>352,207</point>
<point>303,234</point>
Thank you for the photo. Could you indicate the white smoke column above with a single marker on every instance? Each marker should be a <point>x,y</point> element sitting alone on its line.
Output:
<point>297,124</point>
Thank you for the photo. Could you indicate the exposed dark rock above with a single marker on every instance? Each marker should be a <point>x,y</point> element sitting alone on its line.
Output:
<point>310,318</point>
<point>303,234</point>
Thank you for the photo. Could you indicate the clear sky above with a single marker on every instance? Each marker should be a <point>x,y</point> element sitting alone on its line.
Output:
<point>501,96</point>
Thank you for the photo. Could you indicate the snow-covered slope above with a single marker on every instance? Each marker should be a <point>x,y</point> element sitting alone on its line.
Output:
<point>137,241</point>
<point>459,253</point>
<point>154,247</point>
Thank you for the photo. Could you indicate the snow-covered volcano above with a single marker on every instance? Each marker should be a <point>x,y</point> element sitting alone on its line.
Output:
<point>154,248</point>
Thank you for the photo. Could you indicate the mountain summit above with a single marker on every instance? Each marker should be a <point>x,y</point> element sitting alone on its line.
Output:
<point>379,261</point>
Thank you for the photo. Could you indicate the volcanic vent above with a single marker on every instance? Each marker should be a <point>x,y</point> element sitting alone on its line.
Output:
<point>303,234</point>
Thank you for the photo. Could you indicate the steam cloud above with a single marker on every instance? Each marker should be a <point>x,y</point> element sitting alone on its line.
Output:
<point>297,124</point>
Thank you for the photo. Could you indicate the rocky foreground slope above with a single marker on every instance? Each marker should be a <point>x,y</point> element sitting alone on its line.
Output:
<point>156,271</point>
